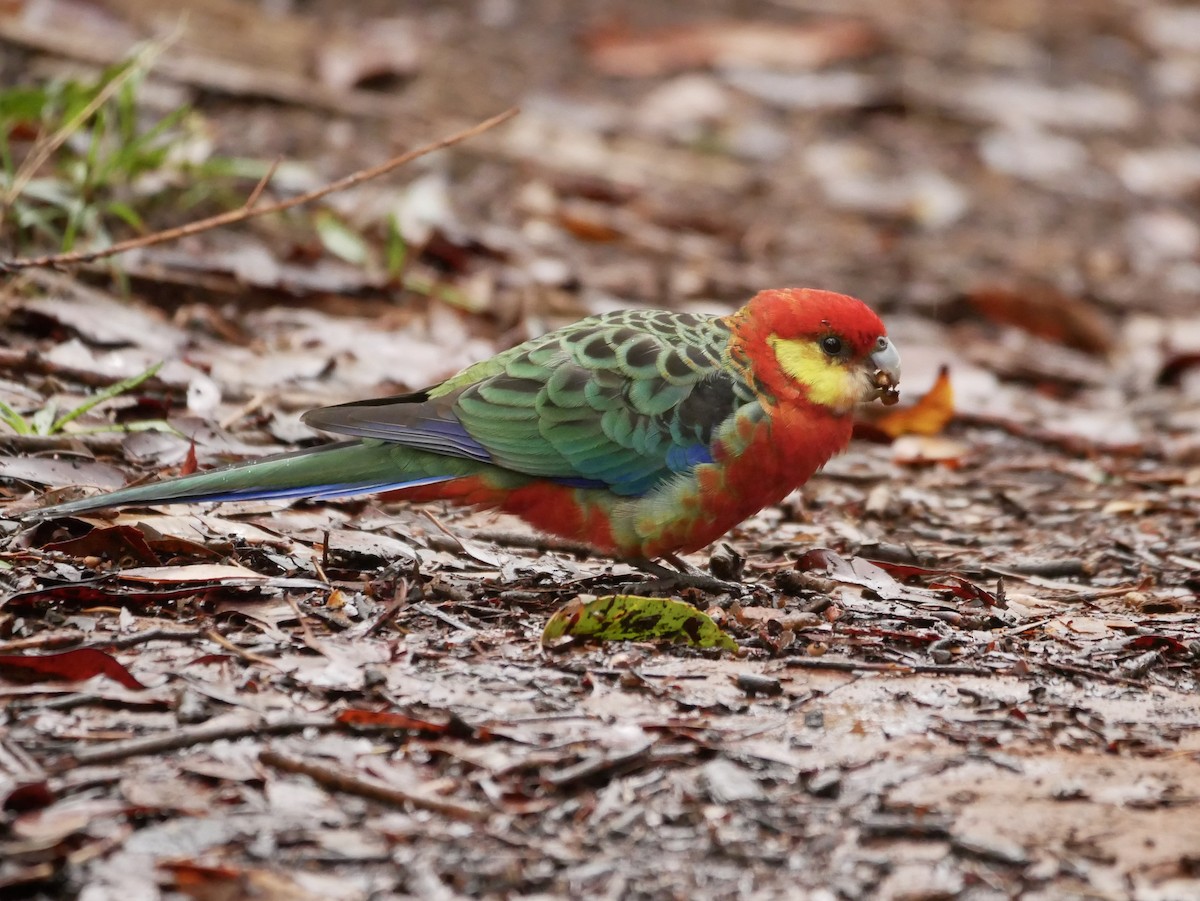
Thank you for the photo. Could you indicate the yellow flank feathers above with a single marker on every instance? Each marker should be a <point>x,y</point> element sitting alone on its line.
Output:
<point>828,381</point>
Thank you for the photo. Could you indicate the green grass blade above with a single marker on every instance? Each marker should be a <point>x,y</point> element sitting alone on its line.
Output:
<point>13,419</point>
<point>108,393</point>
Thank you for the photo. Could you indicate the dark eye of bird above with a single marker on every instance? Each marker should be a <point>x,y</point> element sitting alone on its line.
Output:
<point>882,343</point>
<point>832,345</point>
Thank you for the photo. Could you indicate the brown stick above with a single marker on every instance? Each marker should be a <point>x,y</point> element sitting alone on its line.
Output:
<point>901,669</point>
<point>262,184</point>
<point>217,638</point>
<point>187,737</point>
<point>248,212</point>
<point>366,787</point>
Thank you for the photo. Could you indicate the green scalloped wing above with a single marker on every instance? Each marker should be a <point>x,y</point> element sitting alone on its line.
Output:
<point>620,401</point>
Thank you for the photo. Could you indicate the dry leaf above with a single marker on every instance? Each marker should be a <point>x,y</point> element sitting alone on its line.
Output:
<point>756,45</point>
<point>197,572</point>
<point>915,450</point>
<point>1047,313</point>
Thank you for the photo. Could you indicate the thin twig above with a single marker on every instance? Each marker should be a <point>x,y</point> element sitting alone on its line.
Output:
<point>262,185</point>
<point>249,656</point>
<point>448,618</point>
<point>366,787</point>
<point>187,737</point>
<point>244,212</point>
<point>306,632</point>
<point>399,599</point>
<point>855,666</point>
<point>534,542</point>
<point>67,638</point>
<point>602,766</point>
<point>1072,669</point>
<point>246,409</point>
<point>45,642</point>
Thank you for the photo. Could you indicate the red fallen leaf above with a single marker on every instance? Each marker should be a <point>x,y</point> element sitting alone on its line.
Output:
<point>73,666</point>
<point>1159,643</point>
<point>968,591</point>
<point>29,796</point>
<point>387,719</point>
<point>458,254</point>
<point>189,462</point>
<point>24,131</point>
<point>1047,313</point>
<point>188,874</point>
<point>1173,369</point>
<point>928,416</point>
<point>120,544</point>
<point>906,571</point>
<point>98,591</point>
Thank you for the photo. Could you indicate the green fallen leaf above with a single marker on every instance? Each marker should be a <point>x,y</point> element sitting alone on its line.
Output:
<point>340,239</point>
<point>627,617</point>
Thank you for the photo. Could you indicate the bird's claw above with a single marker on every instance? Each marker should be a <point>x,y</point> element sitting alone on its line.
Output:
<point>687,576</point>
<point>673,582</point>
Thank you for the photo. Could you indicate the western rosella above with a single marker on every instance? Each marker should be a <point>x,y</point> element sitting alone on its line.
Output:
<point>640,433</point>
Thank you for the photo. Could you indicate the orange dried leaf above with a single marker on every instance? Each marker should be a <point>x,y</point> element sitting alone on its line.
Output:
<point>928,416</point>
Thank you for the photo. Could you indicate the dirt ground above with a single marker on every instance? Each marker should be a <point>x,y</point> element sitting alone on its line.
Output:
<point>968,661</point>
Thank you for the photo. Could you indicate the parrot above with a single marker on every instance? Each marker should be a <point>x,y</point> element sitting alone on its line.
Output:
<point>643,434</point>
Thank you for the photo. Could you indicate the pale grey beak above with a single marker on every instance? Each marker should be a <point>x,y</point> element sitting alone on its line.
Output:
<point>886,360</point>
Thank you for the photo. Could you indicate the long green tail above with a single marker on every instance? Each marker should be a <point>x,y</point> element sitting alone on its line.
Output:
<point>332,470</point>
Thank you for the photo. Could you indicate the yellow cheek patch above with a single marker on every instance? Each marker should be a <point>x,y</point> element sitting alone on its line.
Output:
<point>828,381</point>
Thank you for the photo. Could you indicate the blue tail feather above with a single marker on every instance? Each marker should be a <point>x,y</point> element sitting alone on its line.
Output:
<point>314,492</point>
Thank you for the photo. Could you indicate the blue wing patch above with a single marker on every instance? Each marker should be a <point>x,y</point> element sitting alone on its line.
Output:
<point>685,458</point>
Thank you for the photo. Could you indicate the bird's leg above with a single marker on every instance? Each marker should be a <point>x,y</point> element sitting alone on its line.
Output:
<point>682,565</point>
<point>687,576</point>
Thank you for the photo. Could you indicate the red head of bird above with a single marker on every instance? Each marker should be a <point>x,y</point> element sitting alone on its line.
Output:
<point>811,347</point>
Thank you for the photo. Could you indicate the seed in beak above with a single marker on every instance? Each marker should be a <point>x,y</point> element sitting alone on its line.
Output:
<point>889,391</point>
